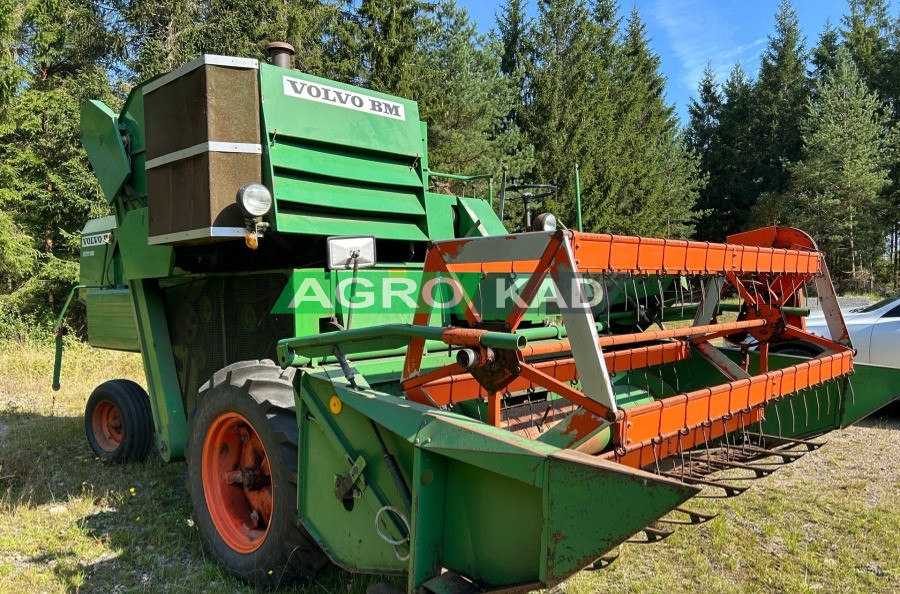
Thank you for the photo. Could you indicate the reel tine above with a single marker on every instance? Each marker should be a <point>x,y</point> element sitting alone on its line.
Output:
<point>806,406</point>
<point>662,301</point>
<point>697,517</point>
<point>793,416</point>
<point>607,298</point>
<point>818,406</point>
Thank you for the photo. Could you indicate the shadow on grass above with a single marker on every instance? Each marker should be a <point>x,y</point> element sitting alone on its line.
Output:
<point>132,529</point>
<point>884,418</point>
<point>152,558</point>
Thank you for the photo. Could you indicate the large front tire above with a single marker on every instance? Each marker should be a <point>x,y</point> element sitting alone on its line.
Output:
<point>242,475</point>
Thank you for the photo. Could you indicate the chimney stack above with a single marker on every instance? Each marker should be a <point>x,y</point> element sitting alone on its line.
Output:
<point>280,53</point>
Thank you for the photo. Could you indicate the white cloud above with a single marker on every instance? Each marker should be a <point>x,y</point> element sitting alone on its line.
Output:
<point>701,31</point>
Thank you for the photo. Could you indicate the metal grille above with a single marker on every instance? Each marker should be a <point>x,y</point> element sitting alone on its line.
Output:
<point>214,322</point>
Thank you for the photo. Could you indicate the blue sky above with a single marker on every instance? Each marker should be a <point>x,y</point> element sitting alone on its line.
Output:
<point>688,33</point>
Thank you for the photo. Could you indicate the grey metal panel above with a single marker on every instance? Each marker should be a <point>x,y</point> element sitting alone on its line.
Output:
<point>721,361</point>
<point>211,232</point>
<point>581,327</point>
<point>500,248</point>
<point>211,59</point>
<point>213,146</point>
<point>710,301</point>
<point>837,327</point>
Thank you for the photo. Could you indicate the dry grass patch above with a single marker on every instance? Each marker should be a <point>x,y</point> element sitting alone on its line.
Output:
<point>69,524</point>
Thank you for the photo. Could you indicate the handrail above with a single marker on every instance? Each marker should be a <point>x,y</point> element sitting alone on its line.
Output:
<point>358,340</point>
<point>459,177</point>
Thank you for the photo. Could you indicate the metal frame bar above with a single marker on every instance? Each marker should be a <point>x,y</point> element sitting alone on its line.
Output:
<point>212,146</point>
<point>210,59</point>
<point>693,417</point>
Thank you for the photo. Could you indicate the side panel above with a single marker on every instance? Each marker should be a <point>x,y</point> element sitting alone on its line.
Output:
<point>102,141</point>
<point>467,491</point>
<point>342,160</point>
<point>110,320</point>
<point>169,418</point>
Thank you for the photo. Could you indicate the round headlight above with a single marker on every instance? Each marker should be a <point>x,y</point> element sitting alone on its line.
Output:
<point>545,222</point>
<point>254,199</point>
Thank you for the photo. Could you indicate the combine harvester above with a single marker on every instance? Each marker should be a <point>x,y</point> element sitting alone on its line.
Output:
<point>557,410</point>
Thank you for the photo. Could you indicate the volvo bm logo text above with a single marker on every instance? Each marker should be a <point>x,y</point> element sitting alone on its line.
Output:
<point>348,99</point>
<point>92,240</point>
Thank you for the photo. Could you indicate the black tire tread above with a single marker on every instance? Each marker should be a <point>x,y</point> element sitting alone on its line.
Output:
<point>133,403</point>
<point>270,390</point>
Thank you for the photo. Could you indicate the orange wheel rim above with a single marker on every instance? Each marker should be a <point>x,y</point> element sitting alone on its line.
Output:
<point>106,423</point>
<point>237,482</point>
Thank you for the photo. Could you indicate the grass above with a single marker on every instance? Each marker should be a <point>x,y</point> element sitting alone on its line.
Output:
<point>69,524</point>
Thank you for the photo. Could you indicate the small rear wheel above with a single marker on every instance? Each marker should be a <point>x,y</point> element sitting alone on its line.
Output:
<point>118,422</point>
<point>242,475</point>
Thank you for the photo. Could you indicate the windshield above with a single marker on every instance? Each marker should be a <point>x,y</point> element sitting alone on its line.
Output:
<point>875,306</point>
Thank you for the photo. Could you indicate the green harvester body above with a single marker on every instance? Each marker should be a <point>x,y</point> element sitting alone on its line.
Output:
<point>437,491</point>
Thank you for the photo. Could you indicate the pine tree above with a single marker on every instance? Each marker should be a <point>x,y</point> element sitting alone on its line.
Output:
<point>606,19</point>
<point>388,42</point>
<point>658,179</point>
<point>17,254</point>
<point>168,33</point>
<point>514,33</point>
<point>704,112</point>
<point>163,34</point>
<point>866,35</point>
<point>824,54</point>
<point>872,40</point>
<point>731,166</point>
<point>837,186</point>
<point>513,25</point>
<point>562,110</point>
<point>596,99</point>
<point>780,95</point>
<point>62,52</point>
<point>467,129</point>
<point>703,135</point>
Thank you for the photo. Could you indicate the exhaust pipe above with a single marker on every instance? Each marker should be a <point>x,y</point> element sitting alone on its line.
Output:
<point>280,53</point>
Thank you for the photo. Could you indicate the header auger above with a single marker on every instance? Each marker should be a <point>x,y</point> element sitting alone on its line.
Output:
<point>514,408</point>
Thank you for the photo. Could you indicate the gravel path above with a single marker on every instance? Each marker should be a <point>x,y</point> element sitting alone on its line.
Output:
<point>845,302</point>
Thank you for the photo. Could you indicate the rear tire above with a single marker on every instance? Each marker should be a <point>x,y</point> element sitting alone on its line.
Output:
<point>118,422</point>
<point>242,475</point>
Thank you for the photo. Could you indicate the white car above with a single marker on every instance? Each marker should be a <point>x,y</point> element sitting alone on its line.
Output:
<point>874,330</point>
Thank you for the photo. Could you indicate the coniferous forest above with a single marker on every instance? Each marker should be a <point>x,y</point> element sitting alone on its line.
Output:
<point>810,140</point>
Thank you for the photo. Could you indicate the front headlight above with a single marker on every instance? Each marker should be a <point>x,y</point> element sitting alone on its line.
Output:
<point>254,199</point>
<point>545,222</point>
